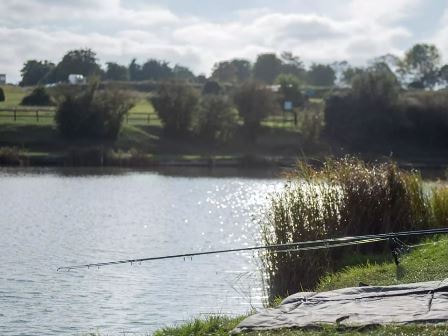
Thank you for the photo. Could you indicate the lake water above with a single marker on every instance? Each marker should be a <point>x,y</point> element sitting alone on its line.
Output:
<point>51,218</point>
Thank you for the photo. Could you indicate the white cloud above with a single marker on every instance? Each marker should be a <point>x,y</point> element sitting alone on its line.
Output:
<point>366,29</point>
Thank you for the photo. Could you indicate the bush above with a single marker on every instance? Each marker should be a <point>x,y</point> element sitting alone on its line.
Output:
<point>38,97</point>
<point>368,110</point>
<point>93,114</point>
<point>12,156</point>
<point>216,119</point>
<point>254,102</point>
<point>176,103</point>
<point>345,198</point>
<point>2,95</point>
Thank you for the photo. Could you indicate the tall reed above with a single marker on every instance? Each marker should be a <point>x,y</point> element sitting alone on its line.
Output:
<point>345,197</point>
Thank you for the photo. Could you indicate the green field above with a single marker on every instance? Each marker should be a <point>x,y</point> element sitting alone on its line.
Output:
<point>141,114</point>
<point>425,263</point>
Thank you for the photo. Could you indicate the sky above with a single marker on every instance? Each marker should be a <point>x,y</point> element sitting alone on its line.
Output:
<point>198,33</point>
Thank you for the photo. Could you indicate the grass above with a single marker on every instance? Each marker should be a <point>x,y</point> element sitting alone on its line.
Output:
<point>425,263</point>
<point>14,95</point>
<point>345,198</point>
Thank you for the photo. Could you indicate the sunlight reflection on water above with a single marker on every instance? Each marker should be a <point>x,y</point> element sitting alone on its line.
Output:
<point>59,217</point>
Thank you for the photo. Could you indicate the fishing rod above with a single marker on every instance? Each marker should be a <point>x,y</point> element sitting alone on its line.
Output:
<point>278,248</point>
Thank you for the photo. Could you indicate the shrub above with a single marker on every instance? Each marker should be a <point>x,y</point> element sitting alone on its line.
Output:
<point>216,119</point>
<point>344,198</point>
<point>175,103</point>
<point>38,97</point>
<point>312,122</point>
<point>12,156</point>
<point>93,114</point>
<point>254,102</point>
<point>368,110</point>
<point>2,95</point>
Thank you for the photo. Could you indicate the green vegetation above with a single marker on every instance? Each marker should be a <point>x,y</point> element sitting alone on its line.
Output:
<point>254,103</point>
<point>38,97</point>
<point>425,263</point>
<point>344,198</point>
<point>176,104</point>
<point>216,119</point>
<point>2,95</point>
<point>93,114</point>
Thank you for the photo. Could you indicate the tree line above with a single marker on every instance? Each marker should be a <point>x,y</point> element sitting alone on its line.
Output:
<point>420,68</point>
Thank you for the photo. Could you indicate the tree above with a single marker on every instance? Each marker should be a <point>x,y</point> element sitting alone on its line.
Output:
<point>350,73</point>
<point>267,68</point>
<point>236,70</point>
<point>35,72</point>
<point>156,70</point>
<point>216,119</point>
<point>243,69</point>
<point>254,102</point>
<point>175,103</point>
<point>2,95</point>
<point>80,61</point>
<point>421,63</point>
<point>93,114</point>
<point>292,65</point>
<point>38,97</point>
<point>224,72</point>
<point>183,73</point>
<point>116,72</point>
<point>321,75</point>
<point>211,88</point>
<point>135,71</point>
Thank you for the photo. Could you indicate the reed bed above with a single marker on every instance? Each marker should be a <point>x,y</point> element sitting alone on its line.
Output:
<point>345,197</point>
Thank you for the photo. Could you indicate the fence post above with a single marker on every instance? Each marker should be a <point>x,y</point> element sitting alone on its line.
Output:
<point>37,115</point>
<point>149,118</point>
<point>15,114</point>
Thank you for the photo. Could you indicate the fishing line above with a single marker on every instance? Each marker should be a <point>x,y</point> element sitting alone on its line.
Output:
<point>279,248</point>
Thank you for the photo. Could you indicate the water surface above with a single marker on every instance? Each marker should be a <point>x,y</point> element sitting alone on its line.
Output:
<point>51,218</point>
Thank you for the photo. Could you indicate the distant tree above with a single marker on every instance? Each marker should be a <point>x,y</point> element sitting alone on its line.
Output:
<point>175,103</point>
<point>135,71</point>
<point>93,114</point>
<point>443,74</point>
<point>35,72</point>
<point>38,97</point>
<point>376,89</point>
<point>224,72</point>
<point>201,79</point>
<point>243,69</point>
<point>254,103</point>
<point>292,65</point>
<point>211,88</point>
<point>216,119</point>
<point>350,73</point>
<point>183,73</point>
<point>421,63</point>
<point>236,70</point>
<point>80,61</point>
<point>2,95</point>
<point>267,68</point>
<point>156,70</point>
<point>321,75</point>
<point>116,72</point>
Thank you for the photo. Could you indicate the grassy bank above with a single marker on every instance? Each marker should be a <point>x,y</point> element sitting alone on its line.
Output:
<point>424,263</point>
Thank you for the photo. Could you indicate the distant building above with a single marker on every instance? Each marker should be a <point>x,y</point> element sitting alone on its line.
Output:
<point>76,79</point>
<point>2,79</point>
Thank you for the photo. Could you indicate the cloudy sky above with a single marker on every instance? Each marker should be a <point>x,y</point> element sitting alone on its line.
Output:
<point>197,33</point>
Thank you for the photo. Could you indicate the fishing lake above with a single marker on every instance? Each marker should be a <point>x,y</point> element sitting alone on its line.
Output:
<point>59,217</point>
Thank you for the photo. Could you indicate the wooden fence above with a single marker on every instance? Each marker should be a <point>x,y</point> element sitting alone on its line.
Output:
<point>38,114</point>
